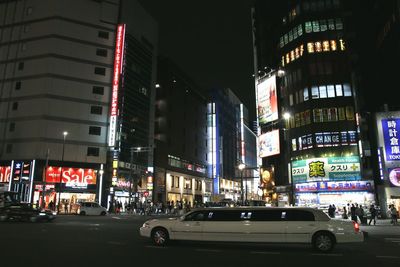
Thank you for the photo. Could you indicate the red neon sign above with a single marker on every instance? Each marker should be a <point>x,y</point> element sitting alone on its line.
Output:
<point>5,173</point>
<point>118,61</point>
<point>69,175</point>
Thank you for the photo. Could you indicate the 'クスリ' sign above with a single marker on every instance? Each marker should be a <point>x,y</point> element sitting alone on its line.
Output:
<point>70,175</point>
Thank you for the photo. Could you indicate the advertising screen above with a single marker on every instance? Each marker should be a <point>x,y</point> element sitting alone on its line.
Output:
<point>335,186</point>
<point>394,177</point>
<point>70,175</point>
<point>268,144</point>
<point>267,100</point>
<point>326,169</point>
<point>390,131</point>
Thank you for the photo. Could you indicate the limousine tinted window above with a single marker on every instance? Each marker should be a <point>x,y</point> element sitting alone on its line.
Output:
<point>299,215</point>
<point>224,215</point>
<point>267,215</point>
<point>196,216</point>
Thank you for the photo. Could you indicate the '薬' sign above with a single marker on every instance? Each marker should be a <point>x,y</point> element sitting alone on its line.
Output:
<point>390,129</point>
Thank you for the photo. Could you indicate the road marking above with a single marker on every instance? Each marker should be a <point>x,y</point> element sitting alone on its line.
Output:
<point>331,255</point>
<point>154,247</point>
<point>392,238</point>
<point>114,243</point>
<point>388,257</point>
<point>117,218</point>
<point>265,252</point>
<point>207,250</point>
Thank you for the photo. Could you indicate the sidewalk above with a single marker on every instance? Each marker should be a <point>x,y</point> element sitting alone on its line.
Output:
<point>382,227</point>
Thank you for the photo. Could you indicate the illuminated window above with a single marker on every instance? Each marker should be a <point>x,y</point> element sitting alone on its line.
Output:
<point>346,89</point>
<point>325,46</point>
<point>295,33</point>
<point>300,30</point>
<point>310,48</point>
<point>323,25</point>
<point>331,91</point>
<point>297,52</point>
<point>290,36</point>
<point>342,114</point>
<point>305,94</point>
<point>331,24</point>
<point>308,26</point>
<point>339,24</point>
<point>314,92</point>
<point>342,45</point>
<point>318,47</point>
<point>315,26</point>
<point>291,100</point>
<point>339,91</point>
<point>301,50</point>
<point>322,92</point>
<point>297,120</point>
<point>307,115</point>
<point>349,113</point>
<point>332,114</point>
<point>333,45</point>
<point>283,61</point>
<point>317,114</point>
<point>281,44</point>
<point>286,39</point>
<point>287,58</point>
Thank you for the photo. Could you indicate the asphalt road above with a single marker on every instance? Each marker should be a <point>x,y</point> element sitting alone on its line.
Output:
<point>115,241</point>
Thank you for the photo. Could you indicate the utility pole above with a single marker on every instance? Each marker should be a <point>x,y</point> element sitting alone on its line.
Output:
<point>131,179</point>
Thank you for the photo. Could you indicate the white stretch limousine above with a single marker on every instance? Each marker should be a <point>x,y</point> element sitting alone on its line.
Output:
<point>255,224</point>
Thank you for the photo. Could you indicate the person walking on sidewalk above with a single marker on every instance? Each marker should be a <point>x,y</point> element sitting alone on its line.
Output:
<point>372,210</point>
<point>393,212</point>
<point>353,213</point>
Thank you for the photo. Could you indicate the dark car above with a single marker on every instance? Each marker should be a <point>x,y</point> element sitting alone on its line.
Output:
<point>25,212</point>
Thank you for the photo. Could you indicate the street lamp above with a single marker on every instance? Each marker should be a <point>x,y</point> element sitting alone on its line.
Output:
<point>65,133</point>
<point>241,167</point>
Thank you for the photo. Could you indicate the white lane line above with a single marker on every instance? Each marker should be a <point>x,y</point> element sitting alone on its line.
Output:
<point>265,252</point>
<point>154,247</point>
<point>330,255</point>
<point>388,257</point>
<point>117,218</point>
<point>207,250</point>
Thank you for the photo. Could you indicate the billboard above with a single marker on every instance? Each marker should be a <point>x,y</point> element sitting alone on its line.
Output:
<point>5,173</point>
<point>335,186</point>
<point>394,177</point>
<point>118,63</point>
<point>326,169</point>
<point>390,131</point>
<point>267,100</point>
<point>70,175</point>
<point>268,144</point>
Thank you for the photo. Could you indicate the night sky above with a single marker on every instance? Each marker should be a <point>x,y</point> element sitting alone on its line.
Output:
<point>210,40</point>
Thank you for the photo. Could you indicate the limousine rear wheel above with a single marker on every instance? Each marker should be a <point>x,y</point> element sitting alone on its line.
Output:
<point>159,236</point>
<point>323,241</point>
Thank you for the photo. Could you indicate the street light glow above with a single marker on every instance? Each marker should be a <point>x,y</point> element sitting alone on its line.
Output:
<point>65,133</point>
<point>241,166</point>
<point>286,115</point>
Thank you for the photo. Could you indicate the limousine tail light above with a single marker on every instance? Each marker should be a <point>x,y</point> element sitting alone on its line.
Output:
<point>356,227</point>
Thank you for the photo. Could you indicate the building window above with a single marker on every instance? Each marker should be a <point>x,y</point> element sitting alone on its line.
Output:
<point>318,47</point>
<point>342,114</point>
<point>93,151</point>
<point>308,26</point>
<point>29,10</point>
<point>21,65</point>
<point>339,91</point>
<point>98,90</point>
<point>101,52</point>
<point>15,106</point>
<point>331,24</point>
<point>94,130</point>
<point>176,181</point>
<point>291,99</point>
<point>305,94</point>
<point>188,183</point>
<point>339,24</point>
<point>310,48</point>
<point>96,110</point>
<point>11,127</point>
<point>322,92</point>
<point>315,26</point>
<point>323,25</point>
<point>346,89</point>
<point>18,85</point>
<point>9,148</point>
<point>100,71</point>
<point>103,34</point>
<point>331,91</point>
<point>314,92</point>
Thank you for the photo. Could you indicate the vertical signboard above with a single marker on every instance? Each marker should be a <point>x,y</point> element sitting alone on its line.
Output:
<point>390,131</point>
<point>118,62</point>
<point>267,100</point>
<point>269,144</point>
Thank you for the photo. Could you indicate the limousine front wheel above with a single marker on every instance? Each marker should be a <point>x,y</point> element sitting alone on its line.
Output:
<point>323,242</point>
<point>159,236</point>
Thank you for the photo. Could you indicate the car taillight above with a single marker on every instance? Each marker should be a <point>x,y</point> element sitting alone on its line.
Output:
<point>356,227</point>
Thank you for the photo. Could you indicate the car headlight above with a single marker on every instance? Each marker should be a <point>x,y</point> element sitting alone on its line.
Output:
<point>42,214</point>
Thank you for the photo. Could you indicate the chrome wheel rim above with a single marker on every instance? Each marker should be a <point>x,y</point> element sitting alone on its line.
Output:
<point>159,237</point>
<point>323,242</point>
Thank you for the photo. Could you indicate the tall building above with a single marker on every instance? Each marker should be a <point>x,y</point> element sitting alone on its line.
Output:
<point>313,150</point>
<point>230,142</point>
<point>180,138</point>
<point>56,85</point>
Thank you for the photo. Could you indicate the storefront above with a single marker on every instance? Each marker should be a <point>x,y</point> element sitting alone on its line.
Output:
<point>184,188</point>
<point>67,187</point>
<point>5,173</point>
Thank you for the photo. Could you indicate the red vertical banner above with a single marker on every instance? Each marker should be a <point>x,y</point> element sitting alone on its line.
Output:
<point>5,173</point>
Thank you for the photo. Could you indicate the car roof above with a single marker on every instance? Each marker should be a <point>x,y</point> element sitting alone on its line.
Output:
<point>257,208</point>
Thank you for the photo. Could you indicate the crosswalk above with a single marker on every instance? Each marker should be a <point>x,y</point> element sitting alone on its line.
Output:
<point>395,240</point>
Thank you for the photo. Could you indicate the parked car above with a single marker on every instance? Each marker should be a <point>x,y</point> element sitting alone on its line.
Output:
<point>91,208</point>
<point>25,212</point>
<point>255,224</point>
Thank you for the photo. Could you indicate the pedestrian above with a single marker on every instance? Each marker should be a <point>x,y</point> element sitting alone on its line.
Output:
<point>394,215</point>
<point>353,213</point>
<point>372,211</point>
<point>360,213</point>
<point>333,210</point>
<point>37,204</point>
<point>344,215</point>
<point>330,211</point>
<point>66,207</point>
<point>51,205</point>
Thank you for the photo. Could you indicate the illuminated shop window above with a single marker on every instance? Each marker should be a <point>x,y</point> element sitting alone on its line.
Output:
<point>339,91</point>
<point>310,48</point>
<point>325,46</point>
<point>301,50</point>
<point>297,52</point>
<point>333,45</point>
<point>342,44</point>
<point>305,94</point>
<point>332,114</point>
<point>318,46</point>
<point>287,58</point>
<point>346,89</point>
<point>292,55</point>
<point>341,114</point>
